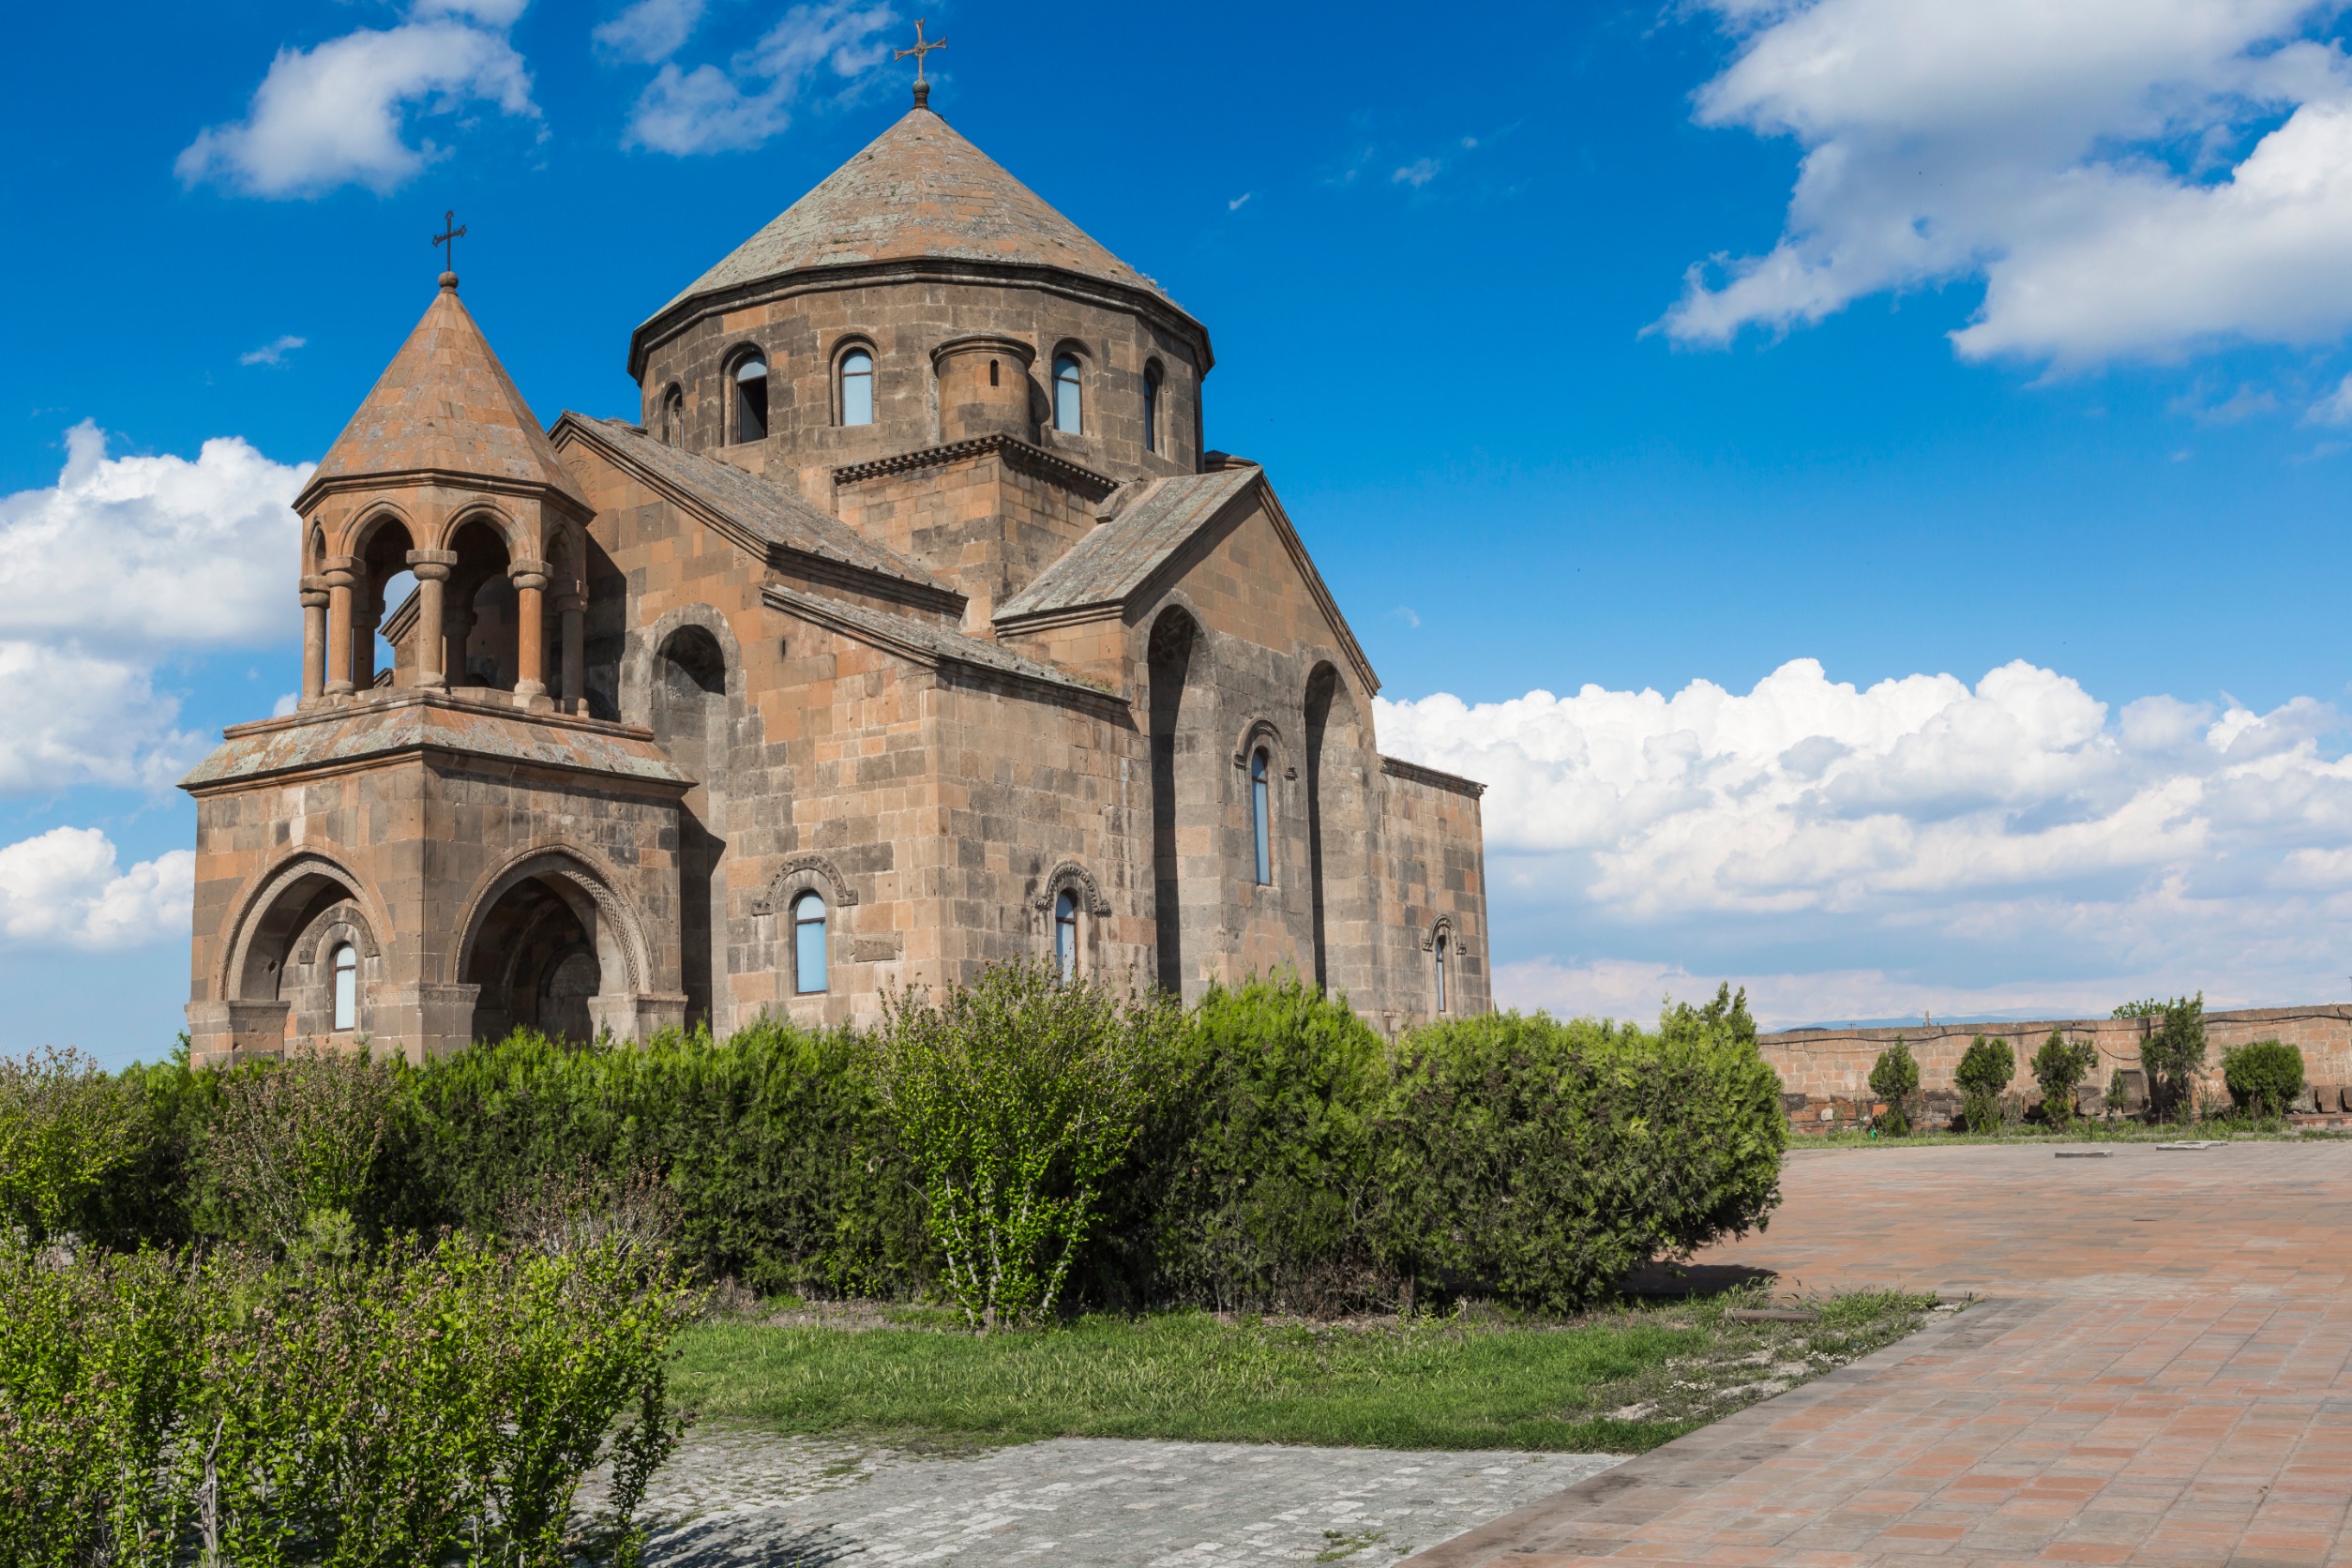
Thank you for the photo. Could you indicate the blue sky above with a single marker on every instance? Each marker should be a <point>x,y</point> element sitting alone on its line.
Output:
<point>1992,358</point>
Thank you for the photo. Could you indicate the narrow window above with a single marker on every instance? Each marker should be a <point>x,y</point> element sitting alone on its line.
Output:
<point>1066,934</point>
<point>808,944</point>
<point>1441,942</point>
<point>1151,409</point>
<point>1065,393</point>
<point>1258,815</point>
<point>346,987</point>
<point>992,381</point>
<point>751,400</point>
<point>674,419</point>
<point>857,387</point>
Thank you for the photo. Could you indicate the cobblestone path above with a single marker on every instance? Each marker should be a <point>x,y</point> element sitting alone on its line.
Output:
<point>733,1498</point>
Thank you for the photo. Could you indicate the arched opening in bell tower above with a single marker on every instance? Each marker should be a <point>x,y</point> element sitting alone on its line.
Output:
<point>479,609</point>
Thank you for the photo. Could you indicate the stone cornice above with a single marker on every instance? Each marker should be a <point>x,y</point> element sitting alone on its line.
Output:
<point>1396,767</point>
<point>679,314</point>
<point>1020,453</point>
<point>444,479</point>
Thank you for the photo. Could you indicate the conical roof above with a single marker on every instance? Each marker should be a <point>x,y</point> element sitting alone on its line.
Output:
<point>919,190</point>
<point>445,405</point>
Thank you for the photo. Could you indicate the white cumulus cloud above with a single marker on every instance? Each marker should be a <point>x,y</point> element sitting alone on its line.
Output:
<point>66,888</point>
<point>121,565</point>
<point>709,110</point>
<point>651,30</point>
<point>2016,840</point>
<point>2130,178</point>
<point>340,112</point>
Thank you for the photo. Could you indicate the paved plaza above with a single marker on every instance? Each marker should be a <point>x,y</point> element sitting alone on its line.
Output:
<point>2157,1374</point>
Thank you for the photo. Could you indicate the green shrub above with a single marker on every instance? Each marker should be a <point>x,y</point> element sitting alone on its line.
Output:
<point>1894,1078</point>
<point>2058,1067</point>
<point>1984,1071</point>
<point>1539,1161</point>
<point>783,1165</point>
<point>2173,1055</point>
<point>1015,1098</point>
<point>412,1406</point>
<point>1251,1184</point>
<point>2265,1077</point>
<point>65,1126</point>
<point>293,1141</point>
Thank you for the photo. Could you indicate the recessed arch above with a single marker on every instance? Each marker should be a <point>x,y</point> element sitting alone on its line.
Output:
<point>749,392</point>
<point>1174,664</point>
<point>286,902</point>
<point>585,887</point>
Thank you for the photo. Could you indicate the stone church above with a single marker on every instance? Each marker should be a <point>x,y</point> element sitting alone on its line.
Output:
<point>911,628</point>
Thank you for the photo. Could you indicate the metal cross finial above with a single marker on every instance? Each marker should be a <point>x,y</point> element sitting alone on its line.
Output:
<point>449,237</point>
<point>922,47</point>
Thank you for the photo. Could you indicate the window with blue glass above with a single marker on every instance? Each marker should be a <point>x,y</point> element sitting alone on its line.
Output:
<point>857,387</point>
<point>1261,814</point>
<point>1066,408</point>
<point>1066,934</point>
<point>346,964</point>
<point>1441,947</point>
<point>808,944</point>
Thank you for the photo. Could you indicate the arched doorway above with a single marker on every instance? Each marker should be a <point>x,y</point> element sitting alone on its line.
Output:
<point>1174,635</point>
<point>542,951</point>
<point>688,714</point>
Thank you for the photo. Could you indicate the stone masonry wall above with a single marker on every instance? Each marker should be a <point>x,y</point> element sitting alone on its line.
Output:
<point>1829,1070</point>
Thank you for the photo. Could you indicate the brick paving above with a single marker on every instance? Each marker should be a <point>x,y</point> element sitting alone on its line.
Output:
<point>2157,1374</point>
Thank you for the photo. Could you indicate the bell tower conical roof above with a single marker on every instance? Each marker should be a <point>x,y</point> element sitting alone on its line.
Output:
<point>443,407</point>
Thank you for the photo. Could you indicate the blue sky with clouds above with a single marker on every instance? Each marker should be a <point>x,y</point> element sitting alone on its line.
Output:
<point>1864,479</point>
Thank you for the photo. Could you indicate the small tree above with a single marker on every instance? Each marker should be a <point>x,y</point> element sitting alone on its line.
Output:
<point>2058,1067</point>
<point>63,1125</point>
<point>294,1145</point>
<point>1984,1071</point>
<point>2264,1077</point>
<point>1016,1095</point>
<point>1894,1078</point>
<point>2173,1055</point>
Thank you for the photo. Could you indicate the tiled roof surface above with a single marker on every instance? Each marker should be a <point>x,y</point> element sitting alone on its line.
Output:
<point>413,721</point>
<point>933,641</point>
<point>445,403</point>
<point>919,190</point>
<point>773,513</point>
<point>1119,556</point>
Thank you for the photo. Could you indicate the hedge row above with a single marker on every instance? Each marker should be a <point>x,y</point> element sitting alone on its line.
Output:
<point>1287,1156</point>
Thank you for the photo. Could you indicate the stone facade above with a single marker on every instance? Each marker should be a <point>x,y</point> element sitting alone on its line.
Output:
<point>1825,1073</point>
<point>1015,670</point>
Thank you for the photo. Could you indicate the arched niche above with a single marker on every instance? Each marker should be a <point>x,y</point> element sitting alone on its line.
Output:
<point>1338,834</point>
<point>551,947</point>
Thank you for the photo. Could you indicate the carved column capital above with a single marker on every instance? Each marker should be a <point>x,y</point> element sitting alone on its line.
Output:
<point>339,571</point>
<point>528,574</point>
<point>314,592</point>
<point>432,565</point>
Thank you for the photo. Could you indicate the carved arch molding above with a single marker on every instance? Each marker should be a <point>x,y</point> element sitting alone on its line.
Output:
<point>800,873</point>
<point>1070,874</point>
<point>1441,926</point>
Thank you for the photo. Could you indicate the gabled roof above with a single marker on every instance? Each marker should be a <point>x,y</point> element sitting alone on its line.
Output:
<point>917,192</point>
<point>444,406</point>
<point>930,644</point>
<point>1119,556</point>
<point>1125,556</point>
<point>773,518</point>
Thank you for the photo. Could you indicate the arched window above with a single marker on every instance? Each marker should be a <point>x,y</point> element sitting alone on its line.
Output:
<point>1066,411</point>
<point>1261,826</point>
<point>1151,408</point>
<point>808,944</point>
<point>1066,934</point>
<point>751,400</point>
<point>1441,945</point>
<point>857,387</point>
<point>346,964</point>
<point>674,419</point>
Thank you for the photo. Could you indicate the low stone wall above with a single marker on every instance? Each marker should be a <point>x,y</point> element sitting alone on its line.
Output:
<point>1825,1073</point>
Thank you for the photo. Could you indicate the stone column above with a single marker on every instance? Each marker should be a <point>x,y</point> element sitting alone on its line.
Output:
<point>572,605</point>
<point>530,579</point>
<point>431,567</point>
<point>314,597</point>
<point>342,572</point>
<point>366,615</point>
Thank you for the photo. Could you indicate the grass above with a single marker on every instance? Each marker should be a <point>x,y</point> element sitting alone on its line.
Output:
<point>1619,1380</point>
